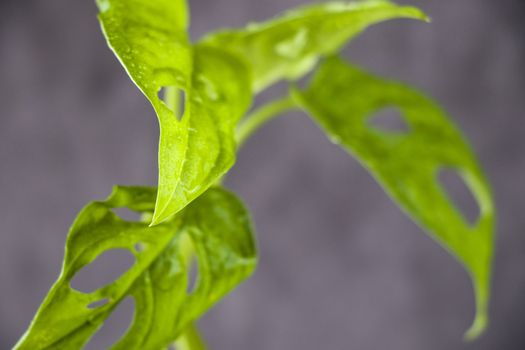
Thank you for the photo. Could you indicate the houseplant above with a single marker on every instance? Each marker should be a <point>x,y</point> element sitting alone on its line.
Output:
<point>190,214</point>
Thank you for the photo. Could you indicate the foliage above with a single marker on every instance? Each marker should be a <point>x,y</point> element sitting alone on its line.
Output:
<point>191,215</point>
<point>215,228</point>
<point>407,165</point>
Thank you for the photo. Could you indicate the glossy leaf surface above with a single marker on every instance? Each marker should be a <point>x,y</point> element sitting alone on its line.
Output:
<point>150,40</point>
<point>290,45</point>
<point>215,229</point>
<point>342,99</point>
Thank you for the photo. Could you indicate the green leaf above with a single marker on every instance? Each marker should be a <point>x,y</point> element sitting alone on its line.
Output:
<point>215,229</point>
<point>342,99</point>
<point>290,45</point>
<point>150,40</point>
<point>195,152</point>
<point>190,339</point>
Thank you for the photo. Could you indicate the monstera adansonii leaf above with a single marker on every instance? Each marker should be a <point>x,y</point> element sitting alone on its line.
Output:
<point>342,99</point>
<point>214,229</point>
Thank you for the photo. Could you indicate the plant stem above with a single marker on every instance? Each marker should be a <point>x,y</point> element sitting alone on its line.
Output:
<point>190,339</point>
<point>262,115</point>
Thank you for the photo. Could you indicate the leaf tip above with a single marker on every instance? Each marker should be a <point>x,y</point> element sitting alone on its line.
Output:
<point>156,219</point>
<point>478,327</point>
<point>416,13</point>
<point>482,296</point>
<point>160,214</point>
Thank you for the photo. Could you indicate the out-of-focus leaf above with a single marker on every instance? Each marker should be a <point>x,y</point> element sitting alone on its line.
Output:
<point>215,229</point>
<point>150,40</point>
<point>290,45</point>
<point>190,339</point>
<point>342,99</point>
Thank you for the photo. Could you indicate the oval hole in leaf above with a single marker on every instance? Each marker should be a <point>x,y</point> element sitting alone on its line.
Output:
<point>114,327</point>
<point>98,303</point>
<point>389,120</point>
<point>170,95</point>
<point>460,194</point>
<point>193,275</point>
<point>127,214</point>
<point>105,269</point>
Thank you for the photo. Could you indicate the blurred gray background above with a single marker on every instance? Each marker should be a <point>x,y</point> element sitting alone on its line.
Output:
<point>341,267</point>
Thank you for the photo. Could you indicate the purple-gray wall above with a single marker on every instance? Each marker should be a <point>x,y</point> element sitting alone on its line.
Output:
<point>341,267</point>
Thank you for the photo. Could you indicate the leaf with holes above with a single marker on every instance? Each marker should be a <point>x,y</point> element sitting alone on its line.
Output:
<point>150,39</point>
<point>289,46</point>
<point>342,98</point>
<point>215,229</point>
